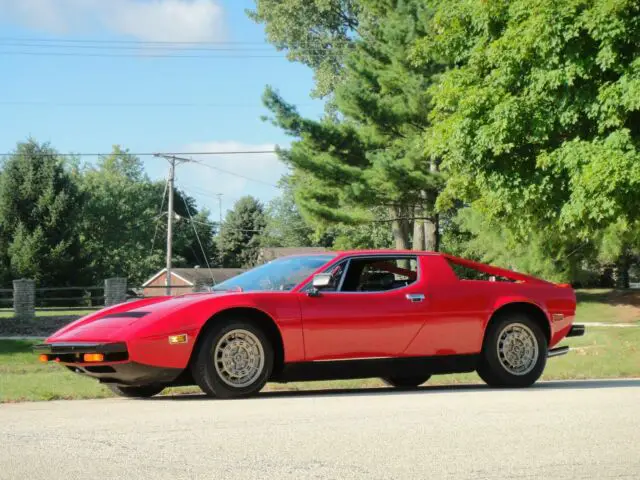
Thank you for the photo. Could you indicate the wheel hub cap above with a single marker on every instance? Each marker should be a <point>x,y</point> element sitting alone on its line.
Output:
<point>517,349</point>
<point>239,358</point>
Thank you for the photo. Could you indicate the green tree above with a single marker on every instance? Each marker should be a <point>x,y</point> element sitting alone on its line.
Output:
<point>370,155</point>
<point>537,118</point>
<point>285,225</point>
<point>40,208</point>
<point>317,33</point>
<point>123,226</point>
<point>240,235</point>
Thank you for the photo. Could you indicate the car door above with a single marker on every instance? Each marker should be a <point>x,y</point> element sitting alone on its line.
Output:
<point>375,310</point>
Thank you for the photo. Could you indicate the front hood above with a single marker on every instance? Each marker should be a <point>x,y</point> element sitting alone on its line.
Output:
<point>114,323</point>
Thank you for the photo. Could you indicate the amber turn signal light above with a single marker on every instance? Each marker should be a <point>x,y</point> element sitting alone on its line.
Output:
<point>93,357</point>
<point>44,358</point>
<point>182,338</point>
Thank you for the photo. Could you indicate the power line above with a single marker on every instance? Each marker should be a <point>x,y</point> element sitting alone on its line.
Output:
<point>145,55</point>
<point>145,154</point>
<point>154,42</point>
<point>198,238</point>
<point>152,48</point>
<point>37,103</point>
<point>235,174</point>
<point>155,231</point>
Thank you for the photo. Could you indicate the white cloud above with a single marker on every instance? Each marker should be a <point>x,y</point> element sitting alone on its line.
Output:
<point>203,183</point>
<point>151,20</point>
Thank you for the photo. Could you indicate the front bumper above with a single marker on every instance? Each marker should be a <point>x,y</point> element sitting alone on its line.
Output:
<point>116,367</point>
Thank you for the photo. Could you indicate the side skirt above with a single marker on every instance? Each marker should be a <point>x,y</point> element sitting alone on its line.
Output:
<point>378,367</point>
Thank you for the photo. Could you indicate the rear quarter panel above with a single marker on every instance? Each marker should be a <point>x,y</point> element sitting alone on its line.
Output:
<point>458,311</point>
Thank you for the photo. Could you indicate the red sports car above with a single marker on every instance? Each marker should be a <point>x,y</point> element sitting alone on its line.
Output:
<point>399,315</point>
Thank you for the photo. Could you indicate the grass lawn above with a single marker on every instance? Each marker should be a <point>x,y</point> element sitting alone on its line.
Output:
<point>608,306</point>
<point>602,353</point>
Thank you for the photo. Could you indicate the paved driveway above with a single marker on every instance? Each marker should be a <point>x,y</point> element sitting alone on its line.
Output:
<point>559,430</point>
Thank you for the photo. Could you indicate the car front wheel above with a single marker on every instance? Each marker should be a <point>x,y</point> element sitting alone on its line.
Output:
<point>143,391</point>
<point>514,353</point>
<point>234,359</point>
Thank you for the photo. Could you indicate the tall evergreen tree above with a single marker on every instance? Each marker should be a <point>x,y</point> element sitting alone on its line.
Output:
<point>40,208</point>
<point>317,33</point>
<point>240,236</point>
<point>371,154</point>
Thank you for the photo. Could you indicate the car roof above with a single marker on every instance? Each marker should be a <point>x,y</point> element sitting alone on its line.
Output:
<point>344,253</point>
<point>347,253</point>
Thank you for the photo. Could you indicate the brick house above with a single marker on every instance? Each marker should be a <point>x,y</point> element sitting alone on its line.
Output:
<point>187,280</point>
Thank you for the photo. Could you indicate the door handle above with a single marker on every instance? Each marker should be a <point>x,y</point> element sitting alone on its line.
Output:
<point>415,297</point>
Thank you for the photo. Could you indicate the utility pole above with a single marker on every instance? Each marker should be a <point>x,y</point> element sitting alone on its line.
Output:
<point>219,195</point>
<point>172,174</point>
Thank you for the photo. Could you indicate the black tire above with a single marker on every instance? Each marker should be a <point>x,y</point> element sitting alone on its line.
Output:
<point>406,382</point>
<point>204,370</point>
<point>493,370</point>
<point>143,391</point>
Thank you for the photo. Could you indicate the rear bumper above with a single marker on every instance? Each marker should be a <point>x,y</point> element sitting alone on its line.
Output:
<point>116,367</point>
<point>574,331</point>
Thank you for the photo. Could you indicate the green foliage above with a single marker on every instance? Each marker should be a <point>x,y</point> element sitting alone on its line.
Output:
<point>38,197</point>
<point>537,116</point>
<point>239,238</point>
<point>285,226</point>
<point>317,33</point>
<point>123,230</point>
<point>537,121</point>
<point>370,155</point>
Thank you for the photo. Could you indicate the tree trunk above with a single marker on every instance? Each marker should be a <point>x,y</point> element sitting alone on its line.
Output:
<point>400,229</point>
<point>418,229</point>
<point>432,234</point>
<point>622,272</point>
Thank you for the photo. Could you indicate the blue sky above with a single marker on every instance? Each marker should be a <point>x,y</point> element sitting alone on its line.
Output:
<point>89,103</point>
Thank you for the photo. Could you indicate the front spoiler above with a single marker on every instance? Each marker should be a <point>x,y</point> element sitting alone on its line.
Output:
<point>80,348</point>
<point>129,373</point>
<point>115,369</point>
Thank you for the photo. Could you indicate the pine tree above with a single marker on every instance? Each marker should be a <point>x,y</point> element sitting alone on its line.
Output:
<point>40,207</point>
<point>240,236</point>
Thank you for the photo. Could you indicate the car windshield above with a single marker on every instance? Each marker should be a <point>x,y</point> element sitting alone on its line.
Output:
<point>282,274</point>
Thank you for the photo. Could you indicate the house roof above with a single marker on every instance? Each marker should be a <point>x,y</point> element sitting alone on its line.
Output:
<point>268,254</point>
<point>199,275</point>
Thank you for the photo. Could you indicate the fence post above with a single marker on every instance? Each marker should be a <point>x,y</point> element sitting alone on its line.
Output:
<point>24,299</point>
<point>115,291</point>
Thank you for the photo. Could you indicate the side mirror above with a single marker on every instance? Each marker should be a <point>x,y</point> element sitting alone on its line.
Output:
<point>320,281</point>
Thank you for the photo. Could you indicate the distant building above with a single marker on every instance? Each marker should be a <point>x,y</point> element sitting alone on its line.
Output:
<point>267,254</point>
<point>187,280</point>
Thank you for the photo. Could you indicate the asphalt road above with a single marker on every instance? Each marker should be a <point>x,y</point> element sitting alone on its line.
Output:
<point>559,430</point>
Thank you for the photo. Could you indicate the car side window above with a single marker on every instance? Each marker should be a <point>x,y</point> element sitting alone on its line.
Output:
<point>337,271</point>
<point>379,274</point>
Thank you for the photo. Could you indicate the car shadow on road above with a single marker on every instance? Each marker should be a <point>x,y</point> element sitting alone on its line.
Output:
<point>424,390</point>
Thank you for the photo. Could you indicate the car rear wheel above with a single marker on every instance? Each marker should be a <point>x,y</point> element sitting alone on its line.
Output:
<point>406,382</point>
<point>514,353</point>
<point>234,359</point>
<point>143,391</point>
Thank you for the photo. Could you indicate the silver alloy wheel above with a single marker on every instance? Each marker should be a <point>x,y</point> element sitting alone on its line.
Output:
<point>239,358</point>
<point>517,349</point>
